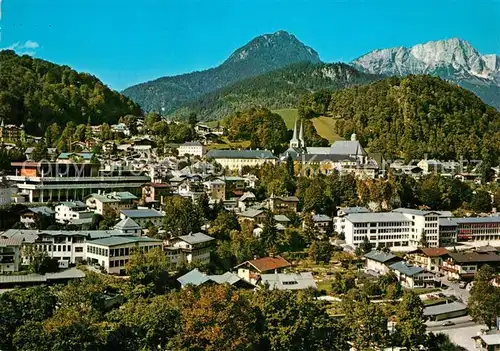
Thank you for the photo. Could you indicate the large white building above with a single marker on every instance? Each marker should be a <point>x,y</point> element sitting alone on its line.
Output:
<point>117,200</point>
<point>237,159</point>
<point>194,148</point>
<point>74,212</point>
<point>144,216</point>
<point>397,229</point>
<point>191,248</point>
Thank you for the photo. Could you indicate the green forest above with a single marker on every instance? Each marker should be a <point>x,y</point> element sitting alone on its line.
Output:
<point>413,116</point>
<point>37,93</point>
<point>281,88</point>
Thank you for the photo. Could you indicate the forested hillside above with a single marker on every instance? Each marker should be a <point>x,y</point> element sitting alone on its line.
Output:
<point>281,88</point>
<point>37,93</point>
<point>413,116</point>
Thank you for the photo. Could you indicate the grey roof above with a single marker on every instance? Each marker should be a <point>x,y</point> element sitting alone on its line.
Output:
<point>127,223</point>
<point>447,221</point>
<point>72,204</point>
<point>289,281</point>
<point>192,143</point>
<point>114,196</point>
<point>195,238</point>
<point>491,339</point>
<point>327,157</point>
<point>262,154</point>
<point>321,218</point>
<point>356,209</point>
<point>444,308</point>
<point>347,147</point>
<point>71,273</point>
<point>43,210</point>
<point>142,213</point>
<point>193,277</point>
<point>281,218</point>
<point>67,155</point>
<point>376,217</point>
<point>250,213</point>
<point>14,241</point>
<point>246,196</point>
<point>122,240</point>
<point>491,219</point>
<point>318,150</point>
<point>379,256</point>
<point>406,268</point>
<point>415,212</point>
<point>226,278</point>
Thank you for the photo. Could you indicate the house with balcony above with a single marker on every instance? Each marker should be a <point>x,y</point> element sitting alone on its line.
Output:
<point>379,261</point>
<point>144,216</point>
<point>73,212</point>
<point>122,200</point>
<point>464,265</point>
<point>429,258</point>
<point>33,216</point>
<point>10,254</point>
<point>195,248</point>
<point>411,276</point>
<point>252,270</point>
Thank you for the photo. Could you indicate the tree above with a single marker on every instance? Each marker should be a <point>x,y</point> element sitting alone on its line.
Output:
<point>410,330</point>
<point>423,239</point>
<point>295,321</point>
<point>149,270</point>
<point>52,133</point>
<point>39,261</point>
<point>320,251</point>
<point>216,318</point>
<point>484,301</point>
<point>365,246</point>
<point>181,216</point>
<point>269,234</point>
<point>109,217</point>
<point>192,119</point>
<point>223,225</point>
<point>365,321</point>
<point>481,201</point>
<point>40,152</point>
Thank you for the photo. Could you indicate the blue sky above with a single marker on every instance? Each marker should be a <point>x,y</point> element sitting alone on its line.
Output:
<point>124,42</point>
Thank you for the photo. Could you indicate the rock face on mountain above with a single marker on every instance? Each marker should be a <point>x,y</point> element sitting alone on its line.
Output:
<point>453,59</point>
<point>261,55</point>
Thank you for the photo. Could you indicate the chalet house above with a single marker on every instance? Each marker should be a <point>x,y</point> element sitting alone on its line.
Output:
<point>143,216</point>
<point>464,266</point>
<point>430,258</point>
<point>197,278</point>
<point>117,200</point>
<point>33,215</point>
<point>195,247</point>
<point>322,223</point>
<point>412,277</point>
<point>246,200</point>
<point>252,270</point>
<point>256,216</point>
<point>283,204</point>
<point>379,261</point>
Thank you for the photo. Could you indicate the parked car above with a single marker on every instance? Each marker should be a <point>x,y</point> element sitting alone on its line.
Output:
<point>462,285</point>
<point>448,323</point>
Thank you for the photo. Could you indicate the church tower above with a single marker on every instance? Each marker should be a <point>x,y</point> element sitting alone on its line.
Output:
<point>295,142</point>
<point>301,135</point>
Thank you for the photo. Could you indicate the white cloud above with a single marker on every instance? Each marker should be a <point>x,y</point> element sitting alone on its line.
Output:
<point>27,48</point>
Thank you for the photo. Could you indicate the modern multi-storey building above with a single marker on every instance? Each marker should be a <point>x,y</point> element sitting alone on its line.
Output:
<point>478,228</point>
<point>67,181</point>
<point>400,228</point>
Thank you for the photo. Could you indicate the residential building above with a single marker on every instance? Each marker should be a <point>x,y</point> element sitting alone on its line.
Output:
<point>73,212</point>
<point>430,166</point>
<point>246,200</point>
<point>120,128</point>
<point>429,258</point>
<point>215,189</point>
<point>235,186</point>
<point>487,341</point>
<point>144,216</point>
<point>10,254</point>
<point>70,158</point>
<point>33,216</point>
<point>195,248</point>
<point>252,270</point>
<point>5,193</point>
<point>194,148</point>
<point>282,204</point>
<point>288,281</point>
<point>128,226</point>
<point>322,223</point>
<point>411,276</point>
<point>237,159</point>
<point>156,192</point>
<point>464,266</point>
<point>448,229</point>
<point>66,181</point>
<point>113,253</point>
<point>197,278</point>
<point>116,200</point>
<point>10,132</point>
<point>253,215</point>
<point>379,261</point>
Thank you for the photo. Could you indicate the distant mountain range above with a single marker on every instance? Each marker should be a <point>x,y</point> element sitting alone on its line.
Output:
<point>261,55</point>
<point>275,70</point>
<point>453,59</point>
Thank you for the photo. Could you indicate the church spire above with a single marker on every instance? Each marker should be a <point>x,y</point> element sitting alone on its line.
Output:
<point>301,135</point>
<point>294,142</point>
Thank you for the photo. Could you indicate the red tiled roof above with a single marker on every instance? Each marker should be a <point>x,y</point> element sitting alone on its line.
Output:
<point>269,263</point>
<point>434,251</point>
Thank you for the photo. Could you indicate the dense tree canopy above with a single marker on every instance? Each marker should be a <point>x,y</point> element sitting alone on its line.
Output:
<point>36,93</point>
<point>413,116</point>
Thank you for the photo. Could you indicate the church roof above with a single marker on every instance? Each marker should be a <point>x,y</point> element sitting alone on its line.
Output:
<point>347,147</point>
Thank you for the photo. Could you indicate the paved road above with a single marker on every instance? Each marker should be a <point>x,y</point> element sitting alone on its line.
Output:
<point>453,289</point>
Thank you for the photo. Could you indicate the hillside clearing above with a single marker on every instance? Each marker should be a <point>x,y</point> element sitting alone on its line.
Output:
<point>325,128</point>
